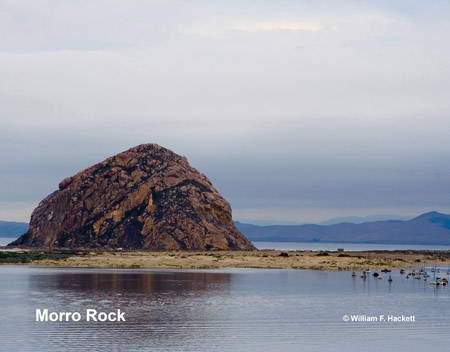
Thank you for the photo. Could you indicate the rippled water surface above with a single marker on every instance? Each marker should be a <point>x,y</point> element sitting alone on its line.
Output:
<point>220,310</point>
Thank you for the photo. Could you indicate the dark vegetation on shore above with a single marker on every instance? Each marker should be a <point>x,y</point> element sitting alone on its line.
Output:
<point>29,257</point>
<point>317,260</point>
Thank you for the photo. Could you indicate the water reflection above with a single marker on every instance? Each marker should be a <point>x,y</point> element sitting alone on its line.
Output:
<point>147,283</point>
<point>153,302</point>
<point>218,310</point>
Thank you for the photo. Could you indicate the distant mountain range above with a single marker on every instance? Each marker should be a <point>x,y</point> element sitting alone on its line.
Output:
<point>361,219</point>
<point>12,229</point>
<point>332,221</point>
<point>428,228</point>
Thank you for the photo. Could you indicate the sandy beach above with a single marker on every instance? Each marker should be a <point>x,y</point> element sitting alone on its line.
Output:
<point>265,259</point>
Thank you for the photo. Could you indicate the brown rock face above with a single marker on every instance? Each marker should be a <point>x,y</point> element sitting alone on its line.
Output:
<point>145,198</point>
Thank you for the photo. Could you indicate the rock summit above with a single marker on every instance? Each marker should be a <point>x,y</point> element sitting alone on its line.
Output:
<point>144,198</point>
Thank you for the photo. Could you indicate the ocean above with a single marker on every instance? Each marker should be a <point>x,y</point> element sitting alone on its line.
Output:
<point>220,310</point>
<point>319,246</point>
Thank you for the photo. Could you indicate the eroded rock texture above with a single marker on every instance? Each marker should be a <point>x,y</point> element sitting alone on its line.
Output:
<point>145,198</point>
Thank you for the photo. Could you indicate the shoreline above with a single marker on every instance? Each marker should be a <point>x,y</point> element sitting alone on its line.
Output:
<point>261,259</point>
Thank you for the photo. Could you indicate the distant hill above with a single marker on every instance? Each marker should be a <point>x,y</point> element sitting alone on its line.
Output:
<point>428,228</point>
<point>12,229</point>
<point>361,219</point>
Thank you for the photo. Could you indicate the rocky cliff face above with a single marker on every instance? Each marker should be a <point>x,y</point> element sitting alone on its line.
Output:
<point>145,198</point>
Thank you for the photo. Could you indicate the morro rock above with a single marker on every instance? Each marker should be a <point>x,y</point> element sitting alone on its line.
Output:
<point>145,198</point>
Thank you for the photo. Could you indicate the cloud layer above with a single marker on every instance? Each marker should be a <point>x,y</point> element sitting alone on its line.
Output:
<point>311,108</point>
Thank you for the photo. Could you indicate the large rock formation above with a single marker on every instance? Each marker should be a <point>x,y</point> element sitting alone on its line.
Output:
<point>145,198</point>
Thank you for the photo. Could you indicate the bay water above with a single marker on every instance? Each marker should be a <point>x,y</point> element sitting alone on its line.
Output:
<point>221,310</point>
<point>323,246</point>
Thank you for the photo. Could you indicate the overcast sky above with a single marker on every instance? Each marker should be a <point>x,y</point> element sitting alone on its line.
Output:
<point>298,111</point>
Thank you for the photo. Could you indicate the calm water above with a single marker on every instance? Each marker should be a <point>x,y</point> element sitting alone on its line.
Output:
<point>318,246</point>
<point>219,310</point>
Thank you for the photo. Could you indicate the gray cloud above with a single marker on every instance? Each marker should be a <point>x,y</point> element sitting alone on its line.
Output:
<point>305,109</point>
